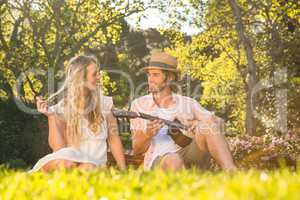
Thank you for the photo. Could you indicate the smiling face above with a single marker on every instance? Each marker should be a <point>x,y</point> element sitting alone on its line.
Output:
<point>92,76</point>
<point>82,96</point>
<point>156,80</point>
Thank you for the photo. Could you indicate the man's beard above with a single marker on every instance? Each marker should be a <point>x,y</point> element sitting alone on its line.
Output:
<point>157,89</point>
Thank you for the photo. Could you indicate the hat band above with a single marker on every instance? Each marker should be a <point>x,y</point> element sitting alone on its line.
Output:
<point>160,64</point>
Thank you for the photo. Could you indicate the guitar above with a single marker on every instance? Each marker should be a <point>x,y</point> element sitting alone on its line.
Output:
<point>175,128</point>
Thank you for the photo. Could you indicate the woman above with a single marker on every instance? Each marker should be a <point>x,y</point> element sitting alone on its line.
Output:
<point>81,123</point>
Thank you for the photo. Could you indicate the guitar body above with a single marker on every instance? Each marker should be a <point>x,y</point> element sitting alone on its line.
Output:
<point>179,138</point>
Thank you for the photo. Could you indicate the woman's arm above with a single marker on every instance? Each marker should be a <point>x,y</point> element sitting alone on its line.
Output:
<point>56,131</point>
<point>114,141</point>
<point>56,125</point>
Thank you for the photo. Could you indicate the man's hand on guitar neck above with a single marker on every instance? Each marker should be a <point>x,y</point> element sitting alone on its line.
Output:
<point>141,140</point>
<point>153,127</point>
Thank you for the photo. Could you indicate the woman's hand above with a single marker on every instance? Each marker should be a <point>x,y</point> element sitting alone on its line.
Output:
<point>114,141</point>
<point>42,107</point>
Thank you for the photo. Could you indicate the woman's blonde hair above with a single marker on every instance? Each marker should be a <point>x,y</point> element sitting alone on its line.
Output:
<point>79,101</point>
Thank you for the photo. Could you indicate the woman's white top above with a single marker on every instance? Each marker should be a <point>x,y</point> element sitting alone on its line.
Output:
<point>93,146</point>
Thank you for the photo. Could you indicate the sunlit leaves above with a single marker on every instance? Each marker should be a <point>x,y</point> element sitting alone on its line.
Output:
<point>46,34</point>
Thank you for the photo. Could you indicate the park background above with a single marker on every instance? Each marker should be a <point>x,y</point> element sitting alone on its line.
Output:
<point>240,60</point>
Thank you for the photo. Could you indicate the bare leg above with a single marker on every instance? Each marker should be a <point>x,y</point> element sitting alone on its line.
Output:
<point>217,146</point>
<point>86,166</point>
<point>172,162</point>
<point>58,164</point>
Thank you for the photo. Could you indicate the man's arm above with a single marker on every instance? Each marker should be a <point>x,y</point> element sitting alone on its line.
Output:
<point>141,140</point>
<point>142,134</point>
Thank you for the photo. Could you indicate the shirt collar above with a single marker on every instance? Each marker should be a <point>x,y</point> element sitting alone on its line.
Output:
<point>154,105</point>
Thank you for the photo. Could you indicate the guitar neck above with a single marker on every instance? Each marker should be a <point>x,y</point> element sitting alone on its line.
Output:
<point>167,122</point>
<point>129,114</point>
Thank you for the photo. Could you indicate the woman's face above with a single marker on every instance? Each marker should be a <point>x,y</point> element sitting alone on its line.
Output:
<point>92,76</point>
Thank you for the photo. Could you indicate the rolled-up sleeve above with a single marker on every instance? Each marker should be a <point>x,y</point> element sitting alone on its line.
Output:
<point>208,119</point>
<point>107,105</point>
<point>199,111</point>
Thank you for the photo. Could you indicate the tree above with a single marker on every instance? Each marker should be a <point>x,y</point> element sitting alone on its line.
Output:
<point>263,44</point>
<point>43,35</point>
<point>37,37</point>
<point>251,68</point>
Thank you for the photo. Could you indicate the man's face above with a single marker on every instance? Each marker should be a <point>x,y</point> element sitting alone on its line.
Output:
<point>156,80</point>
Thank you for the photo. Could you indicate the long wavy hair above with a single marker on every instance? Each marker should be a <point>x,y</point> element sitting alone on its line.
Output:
<point>79,101</point>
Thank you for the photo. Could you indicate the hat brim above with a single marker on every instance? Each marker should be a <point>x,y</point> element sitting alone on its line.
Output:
<point>162,68</point>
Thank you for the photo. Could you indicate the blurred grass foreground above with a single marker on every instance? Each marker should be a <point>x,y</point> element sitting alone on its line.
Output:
<point>138,184</point>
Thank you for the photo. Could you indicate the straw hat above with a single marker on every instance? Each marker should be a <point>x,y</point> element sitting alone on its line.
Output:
<point>162,60</point>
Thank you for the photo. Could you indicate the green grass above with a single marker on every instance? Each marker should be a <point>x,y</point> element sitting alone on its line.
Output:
<point>137,184</point>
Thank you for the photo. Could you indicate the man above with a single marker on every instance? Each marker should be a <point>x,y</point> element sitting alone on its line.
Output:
<point>151,138</point>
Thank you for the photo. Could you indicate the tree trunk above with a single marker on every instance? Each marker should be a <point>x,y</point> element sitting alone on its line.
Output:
<point>251,65</point>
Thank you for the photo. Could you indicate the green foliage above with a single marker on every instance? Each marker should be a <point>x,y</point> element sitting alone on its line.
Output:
<point>224,92</point>
<point>137,184</point>
<point>223,87</point>
<point>23,137</point>
<point>44,35</point>
<point>216,57</point>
